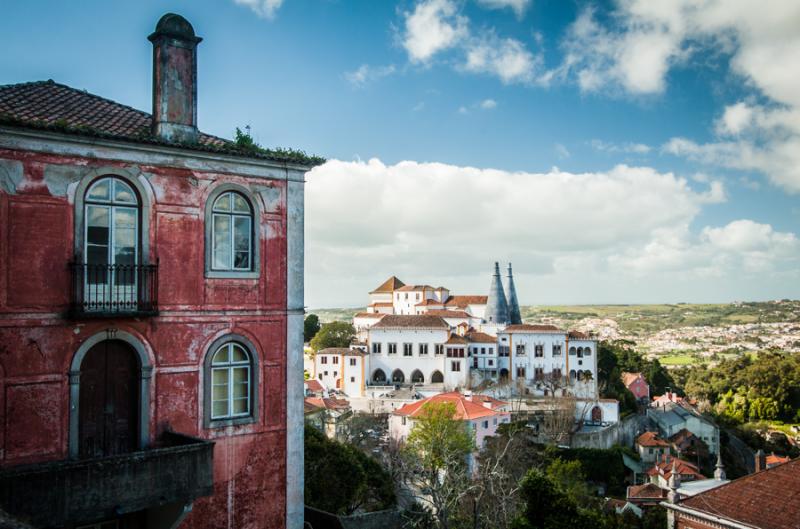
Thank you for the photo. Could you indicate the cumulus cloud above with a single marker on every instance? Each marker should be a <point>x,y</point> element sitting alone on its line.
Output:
<point>488,104</point>
<point>447,223</point>
<point>518,6</point>
<point>366,74</point>
<point>263,8</point>
<point>506,58</point>
<point>643,40</point>
<point>433,26</point>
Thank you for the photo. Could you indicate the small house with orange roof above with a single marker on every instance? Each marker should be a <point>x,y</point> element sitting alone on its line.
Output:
<point>482,414</point>
<point>637,384</point>
<point>651,447</point>
<point>663,469</point>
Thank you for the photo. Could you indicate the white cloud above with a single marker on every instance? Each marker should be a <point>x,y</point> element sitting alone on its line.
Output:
<point>263,8</point>
<point>446,223</point>
<point>505,58</point>
<point>366,74</point>
<point>518,6</point>
<point>488,104</point>
<point>561,151</point>
<point>433,26</point>
<point>642,40</point>
<point>616,148</point>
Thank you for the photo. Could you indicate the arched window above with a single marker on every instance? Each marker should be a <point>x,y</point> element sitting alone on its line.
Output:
<point>111,242</point>
<point>398,377</point>
<point>230,379</point>
<point>417,377</point>
<point>572,375</point>
<point>231,382</point>
<point>572,350</point>
<point>580,352</point>
<point>587,351</point>
<point>379,376</point>
<point>437,377</point>
<point>231,233</point>
<point>597,414</point>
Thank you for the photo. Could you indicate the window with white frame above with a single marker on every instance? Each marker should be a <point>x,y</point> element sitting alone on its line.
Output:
<point>455,366</point>
<point>538,351</point>
<point>520,350</point>
<point>231,382</point>
<point>353,361</point>
<point>423,348</point>
<point>438,349</point>
<point>392,349</point>
<point>408,349</point>
<point>556,350</point>
<point>376,347</point>
<point>231,233</point>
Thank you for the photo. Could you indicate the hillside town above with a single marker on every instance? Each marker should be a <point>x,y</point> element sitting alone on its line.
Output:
<point>160,367</point>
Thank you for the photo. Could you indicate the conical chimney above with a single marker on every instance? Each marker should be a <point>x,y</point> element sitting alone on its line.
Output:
<point>496,304</point>
<point>514,316</point>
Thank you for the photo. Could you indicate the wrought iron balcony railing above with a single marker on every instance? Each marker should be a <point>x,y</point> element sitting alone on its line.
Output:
<point>106,290</point>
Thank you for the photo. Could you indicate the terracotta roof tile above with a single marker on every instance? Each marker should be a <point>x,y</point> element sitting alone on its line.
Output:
<point>376,315</point>
<point>328,403</point>
<point>480,337</point>
<point>651,439</point>
<point>388,286</point>
<point>414,288</point>
<point>411,321</point>
<point>462,301</point>
<point>448,313</point>
<point>630,378</point>
<point>465,409</point>
<point>428,302</point>
<point>47,105</point>
<point>646,491</point>
<point>768,499</point>
<point>314,385</point>
<point>344,351</point>
<point>578,335</point>
<point>527,327</point>
<point>455,339</point>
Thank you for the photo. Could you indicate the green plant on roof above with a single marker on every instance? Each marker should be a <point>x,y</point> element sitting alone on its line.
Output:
<point>243,140</point>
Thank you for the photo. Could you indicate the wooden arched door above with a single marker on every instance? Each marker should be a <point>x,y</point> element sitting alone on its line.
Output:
<point>108,409</point>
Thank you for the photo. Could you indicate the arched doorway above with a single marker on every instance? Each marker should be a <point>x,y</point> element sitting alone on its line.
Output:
<point>398,377</point>
<point>379,377</point>
<point>437,377</point>
<point>597,414</point>
<point>108,421</point>
<point>504,374</point>
<point>417,377</point>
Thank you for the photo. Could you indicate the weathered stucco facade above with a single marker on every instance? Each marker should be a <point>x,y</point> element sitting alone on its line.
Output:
<point>257,458</point>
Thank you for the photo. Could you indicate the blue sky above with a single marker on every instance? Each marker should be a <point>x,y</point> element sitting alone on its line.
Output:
<point>589,120</point>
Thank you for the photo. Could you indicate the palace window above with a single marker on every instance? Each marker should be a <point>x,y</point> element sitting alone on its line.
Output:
<point>520,372</point>
<point>231,233</point>
<point>520,351</point>
<point>353,362</point>
<point>335,360</point>
<point>538,373</point>
<point>438,349</point>
<point>392,349</point>
<point>556,350</point>
<point>232,386</point>
<point>323,359</point>
<point>423,348</point>
<point>376,347</point>
<point>502,350</point>
<point>455,366</point>
<point>408,349</point>
<point>538,351</point>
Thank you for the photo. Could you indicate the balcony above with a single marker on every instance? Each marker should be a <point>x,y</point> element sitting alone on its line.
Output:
<point>61,493</point>
<point>102,290</point>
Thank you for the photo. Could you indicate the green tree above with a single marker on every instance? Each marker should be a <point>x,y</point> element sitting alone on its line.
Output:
<point>435,461</point>
<point>547,507</point>
<point>341,479</point>
<point>570,479</point>
<point>333,334</point>
<point>310,327</point>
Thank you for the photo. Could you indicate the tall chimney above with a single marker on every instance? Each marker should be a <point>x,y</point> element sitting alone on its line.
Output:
<point>175,79</point>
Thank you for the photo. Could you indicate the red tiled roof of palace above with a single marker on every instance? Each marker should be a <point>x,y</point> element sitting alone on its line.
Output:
<point>388,286</point>
<point>411,321</point>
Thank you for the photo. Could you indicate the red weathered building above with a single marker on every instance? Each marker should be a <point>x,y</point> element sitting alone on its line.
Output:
<point>151,306</point>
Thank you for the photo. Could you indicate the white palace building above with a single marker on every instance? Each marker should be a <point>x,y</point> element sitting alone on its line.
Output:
<point>424,336</point>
